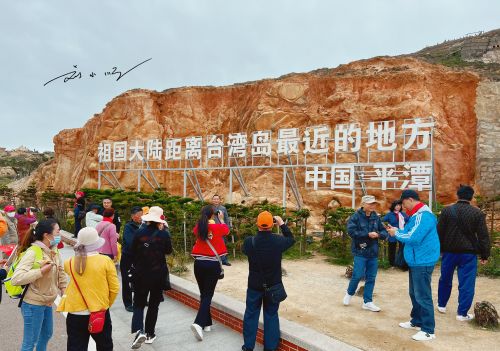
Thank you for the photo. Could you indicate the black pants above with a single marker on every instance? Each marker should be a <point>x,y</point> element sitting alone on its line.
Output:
<point>125,264</point>
<point>78,333</point>
<point>392,252</point>
<point>153,287</point>
<point>207,274</point>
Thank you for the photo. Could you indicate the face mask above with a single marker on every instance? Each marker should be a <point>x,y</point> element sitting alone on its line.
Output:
<point>56,241</point>
<point>11,214</point>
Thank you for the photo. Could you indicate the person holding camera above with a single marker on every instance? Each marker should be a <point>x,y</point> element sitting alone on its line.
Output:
<point>218,208</point>
<point>264,252</point>
<point>207,252</point>
<point>365,228</point>
<point>150,275</point>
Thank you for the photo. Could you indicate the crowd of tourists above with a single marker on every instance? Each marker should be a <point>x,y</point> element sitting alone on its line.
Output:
<point>88,282</point>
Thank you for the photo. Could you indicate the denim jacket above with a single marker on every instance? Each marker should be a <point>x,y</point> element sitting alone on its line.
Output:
<point>358,227</point>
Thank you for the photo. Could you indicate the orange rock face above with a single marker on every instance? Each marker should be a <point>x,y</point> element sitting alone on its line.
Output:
<point>369,90</point>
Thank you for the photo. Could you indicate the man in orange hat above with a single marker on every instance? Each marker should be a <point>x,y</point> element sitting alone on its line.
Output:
<point>264,253</point>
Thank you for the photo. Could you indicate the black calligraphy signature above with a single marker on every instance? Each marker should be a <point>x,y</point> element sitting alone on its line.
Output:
<point>75,74</point>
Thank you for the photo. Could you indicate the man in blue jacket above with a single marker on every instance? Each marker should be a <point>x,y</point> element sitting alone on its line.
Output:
<point>365,228</point>
<point>421,252</point>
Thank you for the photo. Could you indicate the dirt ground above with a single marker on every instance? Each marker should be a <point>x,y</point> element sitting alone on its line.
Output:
<point>315,290</point>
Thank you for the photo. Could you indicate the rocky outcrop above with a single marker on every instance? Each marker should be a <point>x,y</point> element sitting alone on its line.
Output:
<point>369,90</point>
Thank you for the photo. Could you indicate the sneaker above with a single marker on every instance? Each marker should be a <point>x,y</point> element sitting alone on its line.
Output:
<point>408,325</point>
<point>347,299</point>
<point>441,309</point>
<point>150,338</point>
<point>226,263</point>
<point>129,308</point>
<point>467,318</point>
<point>208,328</point>
<point>140,337</point>
<point>370,306</point>
<point>197,331</point>
<point>423,336</point>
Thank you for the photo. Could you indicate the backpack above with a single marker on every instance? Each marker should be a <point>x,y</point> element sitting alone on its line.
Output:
<point>16,291</point>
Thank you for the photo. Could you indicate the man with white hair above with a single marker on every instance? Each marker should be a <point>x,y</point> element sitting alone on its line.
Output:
<point>365,228</point>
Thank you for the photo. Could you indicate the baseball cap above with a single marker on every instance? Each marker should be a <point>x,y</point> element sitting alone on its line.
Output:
<point>408,193</point>
<point>265,220</point>
<point>368,199</point>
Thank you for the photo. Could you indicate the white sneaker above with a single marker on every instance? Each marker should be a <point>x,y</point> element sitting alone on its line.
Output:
<point>370,306</point>
<point>467,318</point>
<point>408,325</point>
<point>140,337</point>
<point>150,338</point>
<point>347,299</point>
<point>207,329</point>
<point>441,309</point>
<point>423,336</point>
<point>197,331</point>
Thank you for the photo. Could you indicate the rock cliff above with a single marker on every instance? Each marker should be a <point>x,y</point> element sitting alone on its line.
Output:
<point>377,89</point>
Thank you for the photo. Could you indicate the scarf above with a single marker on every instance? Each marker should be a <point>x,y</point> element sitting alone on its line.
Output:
<point>415,209</point>
<point>401,219</point>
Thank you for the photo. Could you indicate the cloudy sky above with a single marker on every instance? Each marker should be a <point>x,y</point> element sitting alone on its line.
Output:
<point>193,42</point>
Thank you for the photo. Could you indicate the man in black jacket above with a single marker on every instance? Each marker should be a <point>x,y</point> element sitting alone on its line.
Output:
<point>126,260</point>
<point>264,253</point>
<point>151,277</point>
<point>463,234</point>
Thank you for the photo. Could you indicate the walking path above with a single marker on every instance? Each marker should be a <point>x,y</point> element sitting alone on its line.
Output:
<point>172,329</point>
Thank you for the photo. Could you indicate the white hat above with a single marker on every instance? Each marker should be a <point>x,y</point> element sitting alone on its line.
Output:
<point>155,214</point>
<point>368,199</point>
<point>89,236</point>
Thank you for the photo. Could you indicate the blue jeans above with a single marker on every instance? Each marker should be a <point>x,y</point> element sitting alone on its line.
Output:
<point>466,265</point>
<point>38,326</point>
<point>251,321</point>
<point>422,313</point>
<point>364,267</point>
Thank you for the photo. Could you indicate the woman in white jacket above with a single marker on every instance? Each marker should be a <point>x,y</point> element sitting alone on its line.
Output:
<point>92,218</point>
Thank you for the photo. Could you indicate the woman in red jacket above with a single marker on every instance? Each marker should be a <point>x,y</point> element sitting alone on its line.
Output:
<point>207,250</point>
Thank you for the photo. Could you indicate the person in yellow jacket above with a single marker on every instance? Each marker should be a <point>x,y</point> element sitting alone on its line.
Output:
<point>46,279</point>
<point>97,280</point>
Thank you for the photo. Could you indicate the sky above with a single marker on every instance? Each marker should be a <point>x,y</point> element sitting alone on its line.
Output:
<point>191,43</point>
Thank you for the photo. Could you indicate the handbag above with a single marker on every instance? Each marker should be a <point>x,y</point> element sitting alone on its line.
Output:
<point>96,319</point>
<point>221,275</point>
<point>275,293</point>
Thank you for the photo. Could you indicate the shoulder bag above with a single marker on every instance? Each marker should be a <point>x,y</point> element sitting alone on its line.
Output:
<point>96,319</point>
<point>275,293</point>
<point>221,276</point>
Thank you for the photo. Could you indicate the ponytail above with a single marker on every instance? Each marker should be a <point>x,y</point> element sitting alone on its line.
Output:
<point>36,233</point>
<point>206,213</point>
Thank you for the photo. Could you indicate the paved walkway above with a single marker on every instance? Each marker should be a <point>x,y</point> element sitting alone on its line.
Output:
<point>172,329</point>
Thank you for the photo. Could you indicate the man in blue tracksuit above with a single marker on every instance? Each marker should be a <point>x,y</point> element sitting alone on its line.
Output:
<point>421,252</point>
<point>365,228</point>
<point>463,234</point>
